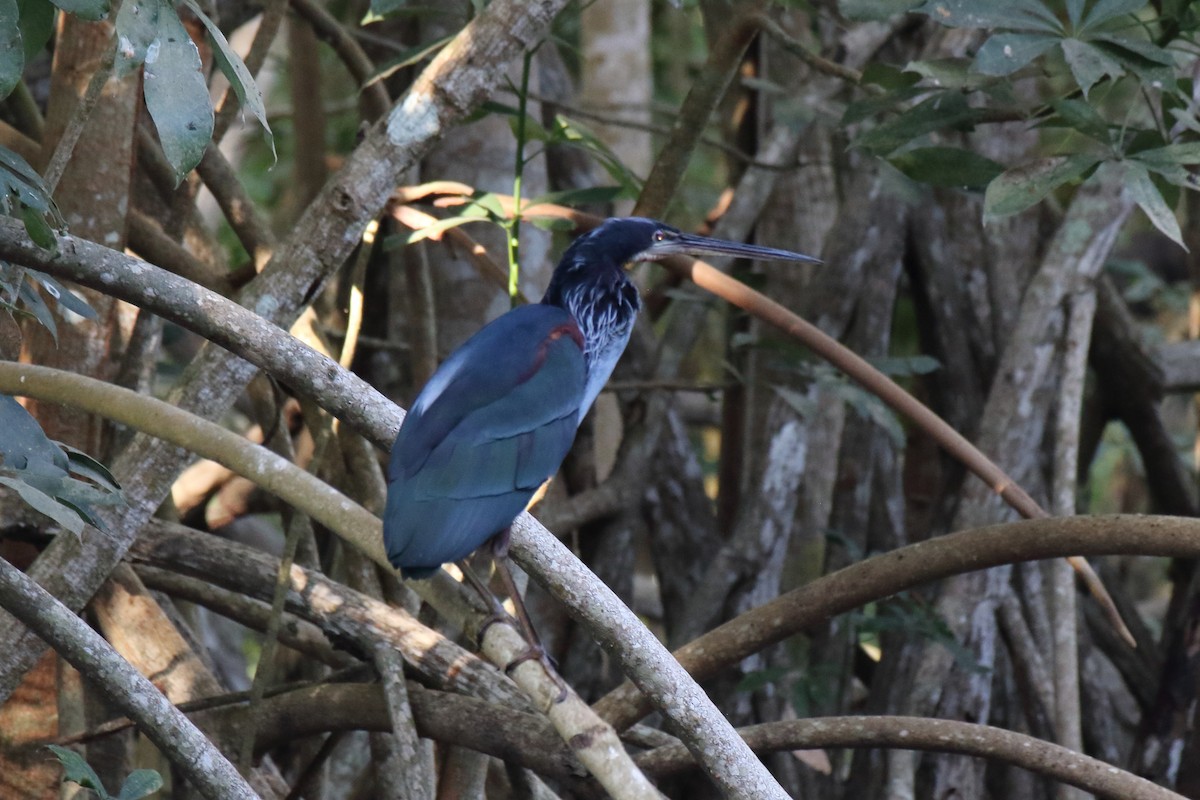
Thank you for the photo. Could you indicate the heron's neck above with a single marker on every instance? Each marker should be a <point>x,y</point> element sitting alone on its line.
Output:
<point>604,304</point>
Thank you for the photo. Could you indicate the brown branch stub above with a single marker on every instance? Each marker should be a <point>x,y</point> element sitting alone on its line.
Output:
<point>933,735</point>
<point>817,62</point>
<point>720,68</point>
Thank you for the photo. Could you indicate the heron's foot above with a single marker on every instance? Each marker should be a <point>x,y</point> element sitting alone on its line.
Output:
<point>497,615</point>
<point>535,652</point>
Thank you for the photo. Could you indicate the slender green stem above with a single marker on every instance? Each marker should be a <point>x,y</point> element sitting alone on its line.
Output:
<point>513,228</point>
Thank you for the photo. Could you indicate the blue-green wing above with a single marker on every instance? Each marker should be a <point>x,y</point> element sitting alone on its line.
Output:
<point>489,428</point>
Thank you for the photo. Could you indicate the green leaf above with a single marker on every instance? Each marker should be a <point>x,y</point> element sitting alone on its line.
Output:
<point>45,504</point>
<point>1081,116</point>
<point>868,107</point>
<point>569,132</point>
<point>1104,10</point>
<point>12,51</point>
<point>1015,14</point>
<point>381,9</point>
<point>64,296</point>
<point>35,305</point>
<point>37,228</point>
<point>83,498</point>
<point>551,224</point>
<point>19,182</point>
<point>489,203</point>
<point>1180,153</point>
<point>407,58</point>
<point>92,10</point>
<point>1089,64</point>
<point>947,166</point>
<point>36,468</point>
<point>802,404</point>
<point>943,110</point>
<point>149,32</point>
<point>24,441</point>
<point>946,73</point>
<point>887,76</point>
<point>136,28</point>
<point>753,681</point>
<point>1150,200</point>
<point>1005,53</point>
<point>81,463</point>
<point>1021,187</point>
<point>235,71</point>
<point>1185,118</point>
<point>177,95</point>
<point>77,770</point>
<point>140,783</point>
<point>1139,57</point>
<point>37,25</point>
<point>13,162</point>
<point>1075,12</point>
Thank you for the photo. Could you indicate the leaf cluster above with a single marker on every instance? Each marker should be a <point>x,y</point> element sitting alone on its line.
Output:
<point>1104,76</point>
<point>42,471</point>
<point>23,194</point>
<point>150,35</point>
<point>138,784</point>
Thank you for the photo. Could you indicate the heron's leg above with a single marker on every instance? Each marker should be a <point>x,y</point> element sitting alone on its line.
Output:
<point>498,614</point>
<point>537,650</point>
<point>494,605</point>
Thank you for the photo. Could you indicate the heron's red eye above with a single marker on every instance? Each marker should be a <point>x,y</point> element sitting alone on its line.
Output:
<point>659,236</point>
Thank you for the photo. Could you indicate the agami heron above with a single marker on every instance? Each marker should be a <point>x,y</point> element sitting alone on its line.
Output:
<point>498,417</point>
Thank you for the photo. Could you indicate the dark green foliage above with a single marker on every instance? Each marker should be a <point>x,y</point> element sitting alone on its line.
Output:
<point>87,9</point>
<point>1092,60</point>
<point>150,35</point>
<point>1021,187</point>
<point>12,50</point>
<point>24,194</point>
<point>235,71</point>
<point>37,24</point>
<point>39,470</point>
<point>947,166</point>
<point>140,783</point>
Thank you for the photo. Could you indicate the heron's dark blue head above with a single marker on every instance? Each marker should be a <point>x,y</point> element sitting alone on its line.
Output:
<point>591,284</point>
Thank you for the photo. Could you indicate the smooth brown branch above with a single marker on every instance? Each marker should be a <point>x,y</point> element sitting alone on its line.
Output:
<point>935,736</point>
<point>252,229</point>
<point>886,574</point>
<point>903,403</point>
<point>298,634</point>
<point>820,64</point>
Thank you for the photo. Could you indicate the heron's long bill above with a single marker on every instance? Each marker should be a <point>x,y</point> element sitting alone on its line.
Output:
<point>688,244</point>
